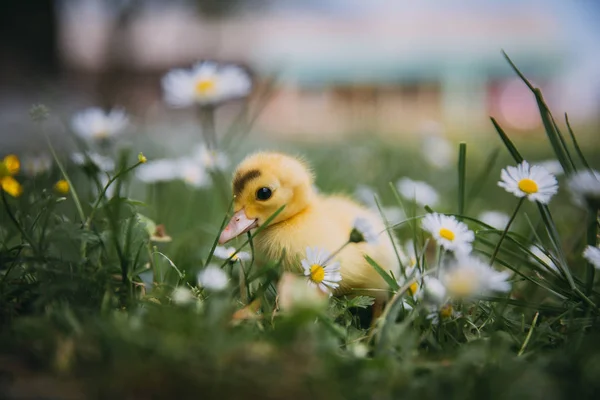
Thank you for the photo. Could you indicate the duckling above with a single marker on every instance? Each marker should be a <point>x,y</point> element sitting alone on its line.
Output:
<point>265,181</point>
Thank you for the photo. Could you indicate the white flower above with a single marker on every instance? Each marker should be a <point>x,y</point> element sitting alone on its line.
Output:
<point>469,276</point>
<point>552,166</point>
<point>366,195</point>
<point>363,231</point>
<point>533,182</point>
<point>192,173</point>
<point>543,258</point>
<point>224,253</point>
<point>182,295</point>
<point>95,124</point>
<point>450,233</point>
<point>444,312</point>
<point>421,192</point>
<point>592,254</point>
<point>37,165</point>
<point>495,219</point>
<point>585,187</point>
<point>205,83</point>
<point>434,292</point>
<point>320,270</point>
<point>213,278</point>
<point>162,170</point>
<point>408,256</point>
<point>104,164</point>
<point>437,151</point>
<point>211,159</point>
<point>294,294</point>
<point>411,274</point>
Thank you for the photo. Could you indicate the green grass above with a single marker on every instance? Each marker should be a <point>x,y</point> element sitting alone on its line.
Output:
<point>78,321</point>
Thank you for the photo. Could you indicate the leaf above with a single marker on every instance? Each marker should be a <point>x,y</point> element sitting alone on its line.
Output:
<point>386,277</point>
<point>360,301</point>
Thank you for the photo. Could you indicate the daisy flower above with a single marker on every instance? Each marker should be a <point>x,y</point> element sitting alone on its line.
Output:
<point>469,276</point>
<point>585,187</point>
<point>444,312</point>
<point>421,192</point>
<point>213,278</point>
<point>411,273</point>
<point>363,231</point>
<point>104,164</point>
<point>95,124</point>
<point>543,258</point>
<point>225,253</point>
<point>535,183</point>
<point>320,270</point>
<point>182,295</point>
<point>206,83</point>
<point>437,151</point>
<point>592,254</point>
<point>293,294</point>
<point>9,167</point>
<point>192,173</point>
<point>552,166</point>
<point>495,219</point>
<point>450,233</point>
<point>36,165</point>
<point>211,159</point>
<point>162,170</point>
<point>434,291</point>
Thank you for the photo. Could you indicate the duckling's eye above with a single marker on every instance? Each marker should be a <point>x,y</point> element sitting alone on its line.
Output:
<point>263,193</point>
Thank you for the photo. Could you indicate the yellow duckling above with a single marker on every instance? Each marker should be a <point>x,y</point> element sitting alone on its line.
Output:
<point>264,182</point>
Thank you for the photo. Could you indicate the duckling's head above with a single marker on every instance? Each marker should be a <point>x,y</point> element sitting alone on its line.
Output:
<point>263,183</point>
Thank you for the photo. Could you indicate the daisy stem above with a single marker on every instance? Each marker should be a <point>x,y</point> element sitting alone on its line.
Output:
<point>207,123</point>
<point>335,253</point>
<point>12,217</point>
<point>526,342</point>
<point>512,218</point>
<point>591,236</point>
<point>101,196</point>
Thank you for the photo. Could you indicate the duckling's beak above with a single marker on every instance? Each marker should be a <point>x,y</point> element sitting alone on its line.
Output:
<point>239,223</point>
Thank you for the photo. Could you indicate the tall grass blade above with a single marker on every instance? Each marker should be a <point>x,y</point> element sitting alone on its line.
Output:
<point>576,144</point>
<point>507,142</point>
<point>462,172</point>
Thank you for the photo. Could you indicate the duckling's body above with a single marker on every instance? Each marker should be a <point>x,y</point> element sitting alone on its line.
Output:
<point>309,219</point>
<point>327,224</point>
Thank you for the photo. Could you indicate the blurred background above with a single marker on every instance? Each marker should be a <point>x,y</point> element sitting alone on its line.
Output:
<point>341,67</point>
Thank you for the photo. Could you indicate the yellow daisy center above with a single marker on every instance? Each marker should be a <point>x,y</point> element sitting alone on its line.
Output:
<point>447,234</point>
<point>317,273</point>
<point>232,256</point>
<point>205,86</point>
<point>101,134</point>
<point>446,311</point>
<point>462,284</point>
<point>528,186</point>
<point>62,186</point>
<point>413,288</point>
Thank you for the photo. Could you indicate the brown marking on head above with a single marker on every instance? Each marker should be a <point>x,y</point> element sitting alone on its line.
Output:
<point>240,180</point>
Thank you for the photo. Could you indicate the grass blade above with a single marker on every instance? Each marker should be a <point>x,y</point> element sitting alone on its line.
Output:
<point>575,144</point>
<point>386,277</point>
<point>462,172</point>
<point>507,142</point>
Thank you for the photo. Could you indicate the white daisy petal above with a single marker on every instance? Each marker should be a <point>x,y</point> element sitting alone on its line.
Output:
<point>421,192</point>
<point>206,83</point>
<point>533,182</point>
<point>469,276</point>
<point>543,257</point>
<point>450,233</point>
<point>585,187</point>
<point>95,124</point>
<point>363,231</point>
<point>213,278</point>
<point>320,270</point>
<point>495,219</point>
<point>592,254</point>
